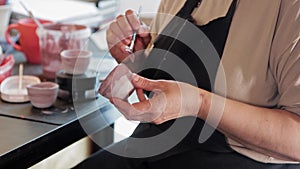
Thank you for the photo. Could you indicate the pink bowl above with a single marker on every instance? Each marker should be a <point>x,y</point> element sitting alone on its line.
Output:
<point>75,61</point>
<point>6,67</point>
<point>42,95</point>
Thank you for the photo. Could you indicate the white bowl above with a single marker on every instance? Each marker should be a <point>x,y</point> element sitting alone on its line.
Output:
<point>43,95</point>
<point>11,92</point>
<point>75,61</point>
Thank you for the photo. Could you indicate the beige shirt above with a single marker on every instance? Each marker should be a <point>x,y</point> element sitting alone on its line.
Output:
<point>261,55</point>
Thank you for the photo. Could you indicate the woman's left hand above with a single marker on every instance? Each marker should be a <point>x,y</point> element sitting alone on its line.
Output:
<point>168,100</point>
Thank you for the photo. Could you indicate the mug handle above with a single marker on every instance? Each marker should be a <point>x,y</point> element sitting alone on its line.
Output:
<point>7,36</point>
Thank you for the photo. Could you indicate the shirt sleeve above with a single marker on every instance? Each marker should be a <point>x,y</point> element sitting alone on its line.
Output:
<point>285,64</point>
<point>155,24</point>
<point>166,11</point>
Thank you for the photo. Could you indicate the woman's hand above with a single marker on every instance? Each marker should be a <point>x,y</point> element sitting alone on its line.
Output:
<point>247,124</point>
<point>119,35</point>
<point>168,100</point>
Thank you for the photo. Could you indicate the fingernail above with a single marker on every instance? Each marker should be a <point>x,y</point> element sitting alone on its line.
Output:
<point>127,41</point>
<point>135,77</point>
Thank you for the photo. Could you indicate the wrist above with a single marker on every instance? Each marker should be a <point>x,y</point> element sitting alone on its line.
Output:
<point>205,103</point>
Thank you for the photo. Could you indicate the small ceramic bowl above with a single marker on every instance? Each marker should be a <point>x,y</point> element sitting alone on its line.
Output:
<point>75,61</point>
<point>43,95</point>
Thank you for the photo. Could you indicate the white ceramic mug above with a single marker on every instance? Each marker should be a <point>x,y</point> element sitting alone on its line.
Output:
<point>5,12</point>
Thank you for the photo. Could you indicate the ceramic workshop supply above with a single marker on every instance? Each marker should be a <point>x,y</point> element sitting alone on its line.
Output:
<point>54,38</point>
<point>28,42</point>
<point>75,61</point>
<point>42,95</point>
<point>11,90</point>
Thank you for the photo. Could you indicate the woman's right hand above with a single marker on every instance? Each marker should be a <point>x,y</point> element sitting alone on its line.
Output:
<point>119,35</point>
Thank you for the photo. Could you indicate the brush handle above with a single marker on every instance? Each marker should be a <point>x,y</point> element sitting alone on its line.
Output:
<point>9,49</point>
<point>131,46</point>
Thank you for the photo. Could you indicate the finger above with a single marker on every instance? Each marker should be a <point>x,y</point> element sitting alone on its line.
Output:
<point>115,35</point>
<point>132,19</point>
<point>149,112</point>
<point>106,85</point>
<point>142,107</point>
<point>119,52</point>
<point>144,31</point>
<point>123,107</point>
<point>104,89</point>
<point>141,95</point>
<point>146,40</point>
<point>125,26</point>
<point>129,110</point>
<point>144,83</point>
<point>158,121</point>
<point>126,109</point>
<point>111,39</point>
<point>140,111</point>
<point>134,109</point>
<point>141,43</point>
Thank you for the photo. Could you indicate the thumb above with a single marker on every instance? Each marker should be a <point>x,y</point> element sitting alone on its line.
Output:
<point>143,83</point>
<point>144,31</point>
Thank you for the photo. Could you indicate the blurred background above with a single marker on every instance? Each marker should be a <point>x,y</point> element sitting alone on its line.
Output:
<point>93,13</point>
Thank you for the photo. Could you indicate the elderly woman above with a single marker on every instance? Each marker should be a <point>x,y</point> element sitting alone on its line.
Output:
<point>250,94</point>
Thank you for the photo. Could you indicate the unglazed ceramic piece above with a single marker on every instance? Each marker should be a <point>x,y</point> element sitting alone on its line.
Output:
<point>74,61</point>
<point>43,95</point>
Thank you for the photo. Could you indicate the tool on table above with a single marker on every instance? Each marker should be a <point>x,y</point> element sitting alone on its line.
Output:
<point>20,76</point>
<point>38,23</point>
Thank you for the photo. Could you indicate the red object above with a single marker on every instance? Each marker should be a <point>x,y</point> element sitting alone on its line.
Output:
<point>29,42</point>
<point>6,67</point>
<point>2,2</point>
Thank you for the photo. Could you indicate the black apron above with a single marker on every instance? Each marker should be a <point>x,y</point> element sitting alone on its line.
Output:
<point>214,153</point>
<point>189,153</point>
<point>170,47</point>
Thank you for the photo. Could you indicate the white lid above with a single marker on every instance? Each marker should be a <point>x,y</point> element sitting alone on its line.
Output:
<point>11,92</point>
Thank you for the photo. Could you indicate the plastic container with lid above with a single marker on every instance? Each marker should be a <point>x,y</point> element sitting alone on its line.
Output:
<point>54,38</point>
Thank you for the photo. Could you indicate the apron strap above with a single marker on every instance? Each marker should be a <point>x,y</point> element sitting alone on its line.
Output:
<point>187,9</point>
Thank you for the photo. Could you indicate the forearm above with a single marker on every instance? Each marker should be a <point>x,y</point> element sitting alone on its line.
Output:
<point>272,132</point>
